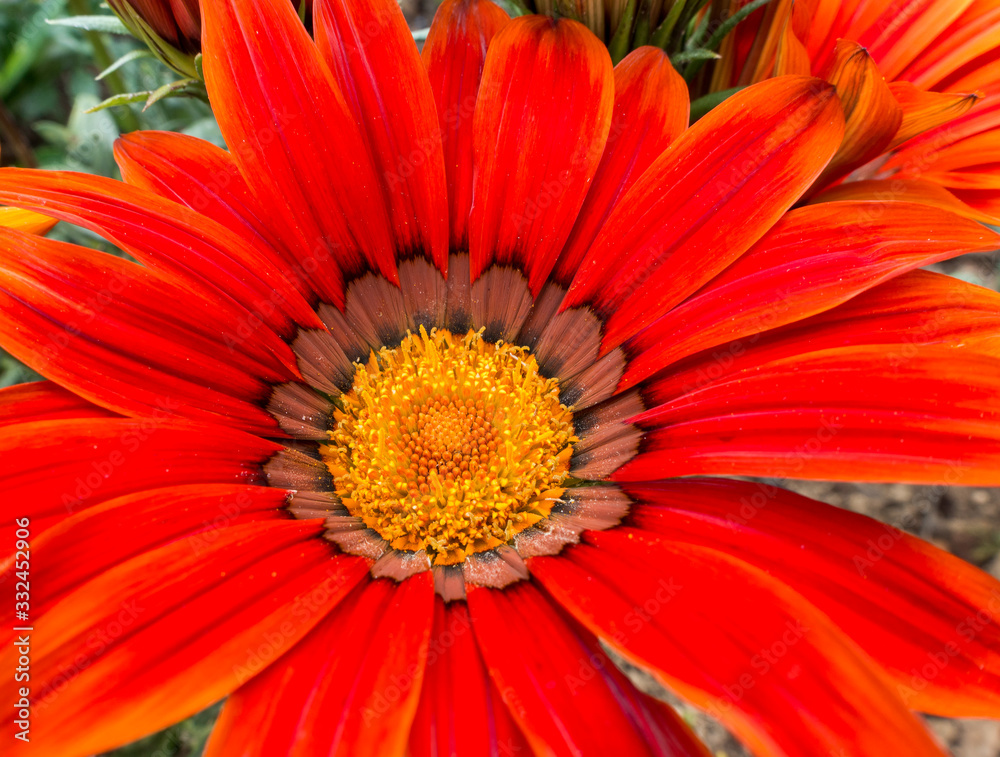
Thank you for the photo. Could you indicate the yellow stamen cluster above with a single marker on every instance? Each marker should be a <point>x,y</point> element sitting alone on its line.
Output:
<point>450,444</point>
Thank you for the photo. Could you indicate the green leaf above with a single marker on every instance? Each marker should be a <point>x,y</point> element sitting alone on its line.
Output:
<point>106,24</point>
<point>720,34</point>
<point>126,58</point>
<point>730,23</point>
<point>702,105</point>
<point>173,88</point>
<point>122,99</point>
<point>690,55</point>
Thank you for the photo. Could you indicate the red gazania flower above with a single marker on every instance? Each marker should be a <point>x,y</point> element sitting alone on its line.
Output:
<point>425,388</point>
<point>908,73</point>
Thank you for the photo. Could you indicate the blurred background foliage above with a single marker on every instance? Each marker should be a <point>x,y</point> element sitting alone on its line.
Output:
<point>48,88</point>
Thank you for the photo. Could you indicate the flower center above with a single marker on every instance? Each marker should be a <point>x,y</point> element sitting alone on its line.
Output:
<point>450,444</point>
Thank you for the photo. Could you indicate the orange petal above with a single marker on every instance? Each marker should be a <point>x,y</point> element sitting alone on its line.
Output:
<point>872,114</point>
<point>974,33</point>
<point>923,111</point>
<point>372,56</point>
<point>912,310</point>
<point>919,414</point>
<point>348,688</point>
<point>733,641</point>
<point>903,30</point>
<point>26,221</point>
<point>454,54</point>
<point>294,137</point>
<point>205,178</point>
<point>460,710</point>
<point>911,606</point>
<point>814,258</point>
<point>883,191</point>
<point>561,687</point>
<point>708,197</point>
<point>166,633</point>
<point>651,111</point>
<point>541,122</point>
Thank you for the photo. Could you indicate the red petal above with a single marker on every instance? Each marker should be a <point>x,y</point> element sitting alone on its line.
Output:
<point>128,339</point>
<point>349,688</point>
<point>897,33</point>
<point>140,522</point>
<point>974,33</point>
<point>55,468</point>
<point>562,689</point>
<point>44,401</point>
<point>165,634</point>
<point>370,51</point>
<point>735,642</point>
<point>541,121</point>
<point>460,710</point>
<point>205,178</point>
<point>168,236</point>
<point>812,259</point>
<point>923,415</point>
<point>295,138</point>
<point>713,193</point>
<point>651,111</point>
<point>911,606</point>
<point>454,54</point>
<point>917,308</point>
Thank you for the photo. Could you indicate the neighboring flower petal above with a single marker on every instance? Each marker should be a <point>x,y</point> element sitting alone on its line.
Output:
<point>813,259</point>
<point>55,468</point>
<point>976,32</point>
<point>836,415</point>
<point>686,218</point>
<point>878,193</point>
<point>26,221</point>
<point>897,33</point>
<point>44,401</point>
<point>205,178</point>
<point>873,116</point>
<point>460,710</point>
<point>163,635</point>
<point>371,53</point>
<point>735,642</point>
<point>284,117</point>
<point>348,688</point>
<point>541,122</point>
<point>127,339</point>
<point>651,111</point>
<point>561,687</point>
<point>454,54</point>
<point>920,612</point>
<point>923,111</point>
<point>916,309</point>
<point>167,236</point>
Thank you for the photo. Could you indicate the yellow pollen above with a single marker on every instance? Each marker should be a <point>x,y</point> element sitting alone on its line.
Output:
<point>450,444</point>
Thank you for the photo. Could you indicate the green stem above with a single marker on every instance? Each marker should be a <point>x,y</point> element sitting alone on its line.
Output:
<point>127,120</point>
